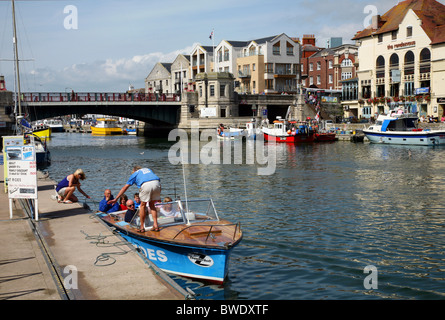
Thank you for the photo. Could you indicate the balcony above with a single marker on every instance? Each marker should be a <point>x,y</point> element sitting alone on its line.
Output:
<point>244,74</point>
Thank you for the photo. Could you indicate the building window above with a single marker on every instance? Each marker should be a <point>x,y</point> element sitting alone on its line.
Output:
<point>212,90</point>
<point>330,78</point>
<point>330,64</point>
<point>380,67</point>
<point>311,66</point>
<point>222,90</point>
<point>346,75</point>
<point>200,91</point>
<point>289,49</point>
<point>409,89</point>
<point>311,81</point>
<point>253,67</point>
<point>409,31</point>
<point>380,38</point>
<point>276,48</point>
<point>269,67</point>
<point>346,63</point>
<point>318,65</point>
<point>318,80</point>
<point>394,35</point>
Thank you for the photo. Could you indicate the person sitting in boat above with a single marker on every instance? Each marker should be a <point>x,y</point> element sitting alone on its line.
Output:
<point>167,209</point>
<point>65,188</point>
<point>122,202</point>
<point>104,206</point>
<point>220,129</point>
<point>137,200</point>
<point>131,211</point>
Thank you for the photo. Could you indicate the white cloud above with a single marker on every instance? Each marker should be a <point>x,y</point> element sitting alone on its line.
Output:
<point>104,75</point>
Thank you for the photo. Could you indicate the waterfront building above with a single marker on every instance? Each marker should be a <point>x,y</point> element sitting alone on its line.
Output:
<point>327,68</point>
<point>329,76</point>
<point>308,48</point>
<point>216,96</point>
<point>159,79</point>
<point>227,53</point>
<point>402,61</point>
<point>269,65</point>
<point>201,59</point>
<point>180,74</point>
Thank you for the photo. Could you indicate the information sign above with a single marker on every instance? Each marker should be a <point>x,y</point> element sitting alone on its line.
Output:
<point>22,172</point>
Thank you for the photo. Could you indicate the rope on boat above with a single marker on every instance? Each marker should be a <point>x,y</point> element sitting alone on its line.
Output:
<point>99,241</point>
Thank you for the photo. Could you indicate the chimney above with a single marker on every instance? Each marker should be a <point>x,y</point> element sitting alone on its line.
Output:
<point>376,22</point>
<point>2,83</point>
<point>308,39</point>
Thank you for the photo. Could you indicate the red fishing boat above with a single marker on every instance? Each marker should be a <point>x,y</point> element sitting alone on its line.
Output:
<point>289,132</point>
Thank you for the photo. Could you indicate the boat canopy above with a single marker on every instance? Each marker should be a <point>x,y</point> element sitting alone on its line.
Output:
<point>386,123</point>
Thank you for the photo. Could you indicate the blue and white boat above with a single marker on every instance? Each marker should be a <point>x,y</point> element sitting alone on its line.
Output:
<point>192,242</point>
<point>402,128</point>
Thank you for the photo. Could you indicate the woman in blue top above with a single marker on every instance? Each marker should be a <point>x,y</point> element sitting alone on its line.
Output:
<point>65,188</point>
<point>149,186</point>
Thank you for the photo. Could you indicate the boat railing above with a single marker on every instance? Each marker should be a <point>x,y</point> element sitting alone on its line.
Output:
<point>211,226</point>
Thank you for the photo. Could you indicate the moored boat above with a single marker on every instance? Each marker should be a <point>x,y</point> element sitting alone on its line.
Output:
<point>192,242</point>
<point>289,132</point>
<point>56,125</point>
<point>43,155</point>
<point>325,136</point>
<point>402,128</point>
<point>105,127</point>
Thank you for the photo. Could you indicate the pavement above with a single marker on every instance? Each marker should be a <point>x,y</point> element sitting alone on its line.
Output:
<point>69,254</point>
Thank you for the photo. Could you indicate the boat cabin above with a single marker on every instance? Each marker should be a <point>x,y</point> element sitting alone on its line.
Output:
<point>396,123</point>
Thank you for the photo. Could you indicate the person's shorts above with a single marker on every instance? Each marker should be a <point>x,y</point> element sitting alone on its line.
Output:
<point>150,191</point>
<point>62,192</point>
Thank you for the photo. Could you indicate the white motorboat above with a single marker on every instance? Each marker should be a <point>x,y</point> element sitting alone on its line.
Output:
<point>401,128</point>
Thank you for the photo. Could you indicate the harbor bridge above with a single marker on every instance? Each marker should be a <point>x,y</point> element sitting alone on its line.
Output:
<point>150,108</point>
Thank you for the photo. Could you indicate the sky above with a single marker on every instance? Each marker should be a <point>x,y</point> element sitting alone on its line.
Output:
<point>108,45</point>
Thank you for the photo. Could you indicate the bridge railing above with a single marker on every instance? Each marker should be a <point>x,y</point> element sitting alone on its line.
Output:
<point>97,97</point>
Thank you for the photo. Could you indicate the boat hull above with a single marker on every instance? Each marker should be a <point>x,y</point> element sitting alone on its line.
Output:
<point>325,137</point>
<point>207,264</point>
<point>105,131</point>
<point>421,138</point>
<point>43,133</point>
<point>298,138</point>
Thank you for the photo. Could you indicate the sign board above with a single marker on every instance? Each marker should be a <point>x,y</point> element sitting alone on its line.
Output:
<point>328,99</point>
<point>208,112</point>
<point>395,75</point>
<point>422,90</point>
<point>22,172</point>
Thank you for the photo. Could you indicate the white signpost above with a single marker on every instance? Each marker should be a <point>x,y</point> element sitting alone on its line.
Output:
<point>21,173</point>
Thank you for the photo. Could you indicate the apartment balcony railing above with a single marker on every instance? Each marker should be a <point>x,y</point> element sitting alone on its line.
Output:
<point>244,74</point>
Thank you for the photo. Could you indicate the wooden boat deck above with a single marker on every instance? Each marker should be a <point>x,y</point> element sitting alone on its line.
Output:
<point>202,233</point>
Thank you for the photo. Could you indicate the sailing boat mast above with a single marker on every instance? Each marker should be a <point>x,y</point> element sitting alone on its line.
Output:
<point>16,60</point>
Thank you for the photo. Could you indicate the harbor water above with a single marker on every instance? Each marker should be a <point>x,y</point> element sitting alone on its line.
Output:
<point>311,228</point>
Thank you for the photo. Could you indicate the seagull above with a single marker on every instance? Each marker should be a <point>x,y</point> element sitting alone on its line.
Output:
<point>142,152</point>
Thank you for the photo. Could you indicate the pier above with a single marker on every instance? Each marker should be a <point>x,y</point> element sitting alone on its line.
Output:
<point>69,254</point>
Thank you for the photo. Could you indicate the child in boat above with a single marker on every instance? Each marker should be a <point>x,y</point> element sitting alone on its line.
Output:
<point>123,202</point>
<point>137,200</point>
<point>167,209</point>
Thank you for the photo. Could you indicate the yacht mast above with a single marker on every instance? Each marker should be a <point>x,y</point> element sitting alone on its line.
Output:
<point>16,61</point>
